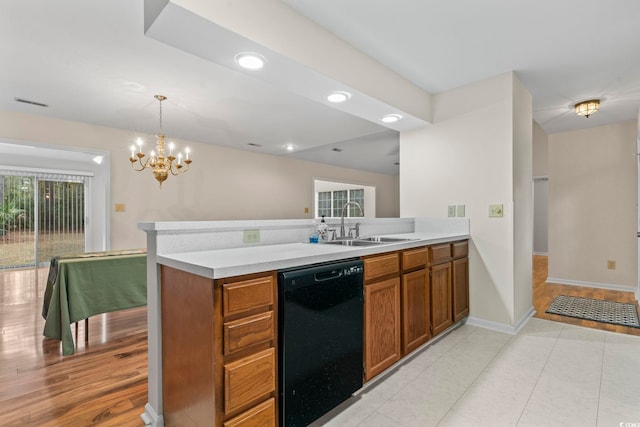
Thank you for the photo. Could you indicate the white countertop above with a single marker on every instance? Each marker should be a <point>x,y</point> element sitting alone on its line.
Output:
<point>221,263</point>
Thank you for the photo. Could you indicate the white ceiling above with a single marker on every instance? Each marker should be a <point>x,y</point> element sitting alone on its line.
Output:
<point>91,62</point>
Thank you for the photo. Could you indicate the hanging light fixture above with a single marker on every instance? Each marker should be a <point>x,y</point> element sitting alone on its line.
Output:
<point>587,108</point>
<point>159,163</point>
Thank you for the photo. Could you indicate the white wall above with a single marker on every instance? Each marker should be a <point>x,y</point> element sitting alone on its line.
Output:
<point>223,183</point>
<point>593,206</point>
<point>522,200</point>
<point>467,157</point>
<point>540,151</point>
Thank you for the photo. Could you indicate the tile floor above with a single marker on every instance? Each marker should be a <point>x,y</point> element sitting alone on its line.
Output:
<point>550,374</point>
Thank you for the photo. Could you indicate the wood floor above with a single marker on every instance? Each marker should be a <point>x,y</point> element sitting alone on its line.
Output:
<point>105,382</point>
<point>544,293</point>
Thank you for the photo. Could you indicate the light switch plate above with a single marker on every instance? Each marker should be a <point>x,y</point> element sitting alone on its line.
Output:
<point>251,236</point>
<point>460,211</point>
<point>496,211</point>
<point>451,211</point>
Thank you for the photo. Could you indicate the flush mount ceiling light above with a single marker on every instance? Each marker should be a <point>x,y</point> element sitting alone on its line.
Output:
<point>587,108</point>
<point>250,61</point>
<point>391,118</point>
<point>338,96</point>
<point>160,164</point>
<point>289,147</point>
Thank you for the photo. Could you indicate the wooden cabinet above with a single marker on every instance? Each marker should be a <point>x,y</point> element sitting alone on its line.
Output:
<point>449,284</point>
<point>415,298</point>
<point>460,281</point>
<point>219,350</point>
<point>382,313</point>
<point>416,311</point>
<point>441,317</point>
<point>440,262</point>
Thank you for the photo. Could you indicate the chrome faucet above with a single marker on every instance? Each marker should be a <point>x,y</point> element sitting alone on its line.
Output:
<point>344,209</point>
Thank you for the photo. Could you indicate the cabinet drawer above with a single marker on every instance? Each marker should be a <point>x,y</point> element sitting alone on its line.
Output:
<point>383,265</point>
<point>440,253</point>
<point>249,379</point>
<point>247,295</point>
<point>460,249</point>
<point>414,258</point>
<point>262,415</point>
<point>248,331</point>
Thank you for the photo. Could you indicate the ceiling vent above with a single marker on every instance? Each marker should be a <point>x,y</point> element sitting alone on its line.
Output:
<point>26,101</point>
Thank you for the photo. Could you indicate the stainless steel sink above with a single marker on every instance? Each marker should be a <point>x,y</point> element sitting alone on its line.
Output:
<point>353,242</point>
<point>382,239</point>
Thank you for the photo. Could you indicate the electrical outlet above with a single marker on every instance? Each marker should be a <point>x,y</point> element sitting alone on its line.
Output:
<point>251,236</point>
<point>496,211</point>
<point>460,211</point>
<point>611,264</point>
<point>120,207</point>
<point>451,211</point>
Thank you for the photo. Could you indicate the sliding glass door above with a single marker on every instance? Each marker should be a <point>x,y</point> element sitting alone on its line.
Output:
<point>42,215</point>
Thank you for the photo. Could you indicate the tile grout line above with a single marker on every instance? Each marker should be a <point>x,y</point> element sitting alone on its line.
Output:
<point>474,380</point>
<point>604,347</point>
<point>375,410</point>
<point>540,375</point>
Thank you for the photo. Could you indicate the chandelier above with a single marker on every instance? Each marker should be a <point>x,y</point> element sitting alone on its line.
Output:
<point>587,108</point>
<point>159,163</point>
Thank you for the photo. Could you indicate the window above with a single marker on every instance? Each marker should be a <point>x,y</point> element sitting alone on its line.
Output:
<point>330,203</point>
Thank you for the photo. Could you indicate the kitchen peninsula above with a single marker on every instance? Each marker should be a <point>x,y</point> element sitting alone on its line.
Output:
<point>212,298</point>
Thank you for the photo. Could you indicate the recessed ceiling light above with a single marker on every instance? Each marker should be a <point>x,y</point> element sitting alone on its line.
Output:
<point>338,96</point>
<point>250,61</point>
<point>289,147</point>
<point>391,118</point>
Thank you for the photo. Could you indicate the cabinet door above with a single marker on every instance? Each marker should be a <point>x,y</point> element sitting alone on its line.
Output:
<point>382,326</point>
<point>460,289</point>
<point>415,310</point>
<point>441,317</point>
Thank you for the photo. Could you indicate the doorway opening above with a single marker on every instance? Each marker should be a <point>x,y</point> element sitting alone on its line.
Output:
<point>41,215</point>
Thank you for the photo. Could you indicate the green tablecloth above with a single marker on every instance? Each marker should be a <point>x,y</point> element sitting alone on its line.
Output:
<point>85,287</point>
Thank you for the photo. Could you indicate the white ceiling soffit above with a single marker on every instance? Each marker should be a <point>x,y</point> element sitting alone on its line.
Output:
<point>186,30</point>
<point>563,52</point>
<point>353,153</point>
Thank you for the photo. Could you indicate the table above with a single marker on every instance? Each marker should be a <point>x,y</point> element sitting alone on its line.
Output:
<point>88,285</point>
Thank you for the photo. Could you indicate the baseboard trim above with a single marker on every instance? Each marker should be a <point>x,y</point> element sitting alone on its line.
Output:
<point>524,319</point>
<point>150,417</point>
<point>502,327</point>
<point>608,286</point>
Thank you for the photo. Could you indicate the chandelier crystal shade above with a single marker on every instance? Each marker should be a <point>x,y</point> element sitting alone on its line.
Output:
<point>159,162</point>
<point>587,108</point>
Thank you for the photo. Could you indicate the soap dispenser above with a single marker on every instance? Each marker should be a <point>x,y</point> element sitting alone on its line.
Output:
<point>323,233</point>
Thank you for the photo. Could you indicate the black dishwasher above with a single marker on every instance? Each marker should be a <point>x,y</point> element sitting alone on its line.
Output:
<point>320,338</point>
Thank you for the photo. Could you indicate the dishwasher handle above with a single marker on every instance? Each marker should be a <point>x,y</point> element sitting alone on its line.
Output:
<point>323,276</point>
